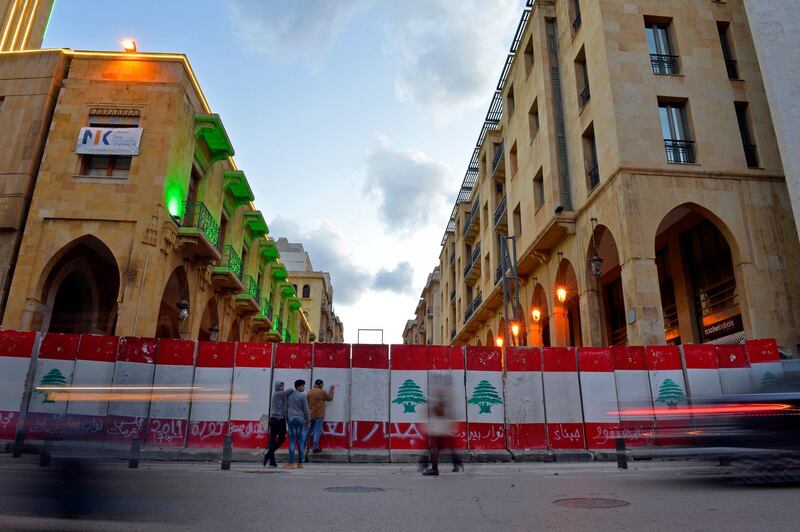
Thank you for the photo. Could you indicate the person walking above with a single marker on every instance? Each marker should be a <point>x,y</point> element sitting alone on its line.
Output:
<point>440,433</point>
<point>316,406</point>
<point>299,417</point>
<point>277,422</point>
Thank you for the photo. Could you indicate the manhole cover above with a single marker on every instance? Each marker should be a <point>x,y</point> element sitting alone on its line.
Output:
<point>353,489</point>
<point>591,502</point>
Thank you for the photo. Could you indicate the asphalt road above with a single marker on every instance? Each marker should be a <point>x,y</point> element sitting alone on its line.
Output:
<point>675,496</point>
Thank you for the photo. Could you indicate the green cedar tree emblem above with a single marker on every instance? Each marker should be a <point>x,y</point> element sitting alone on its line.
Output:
<point>485,396</point>
<point>53,378</point>
<point>409,395</point>
<point>670,393</point>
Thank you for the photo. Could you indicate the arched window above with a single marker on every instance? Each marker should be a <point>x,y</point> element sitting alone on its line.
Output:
<point>306,291</point>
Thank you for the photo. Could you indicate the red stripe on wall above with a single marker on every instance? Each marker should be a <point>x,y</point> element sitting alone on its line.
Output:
<point>370,356</point>
<point>662,357</point>
<point>629,358</point>
<point>175,352</point>
<point>700,356</point>
<point>59,346</point>
<point>445,357</point>
<point>17,343</point>
<point>296,356</point>
<point>484,358</point>
<point>762,350</point>
<point>141,350</point>
<point>559,359</point>
<point>409,357</point>
<point>595,359</point>
<point>732,356</point>
<point>331,355</point>
<point>215,354</point>
<point>253,355</point>
<point>524,359</point>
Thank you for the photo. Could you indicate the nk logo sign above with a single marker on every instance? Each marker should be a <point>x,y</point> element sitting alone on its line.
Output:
<point>109,141</point>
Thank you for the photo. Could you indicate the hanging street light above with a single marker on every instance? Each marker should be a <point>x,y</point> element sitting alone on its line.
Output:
<point>498,341</point>
<point>515,329</point>
<point>561,294</point>
<point>536,314</point>
<point>213,332</point>
<point>183,310</point>
<point>596,260</point>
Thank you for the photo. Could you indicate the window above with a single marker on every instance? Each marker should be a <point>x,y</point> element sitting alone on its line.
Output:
<point>485,221</point>
<point>745,130</point>
<point>512,159</point>
<point>2,101</point>
<point>677,142</point>
<point>223,229</point>
<point>575,14</point>
<point>306,291</point>
<point>510,100</point>
<point>590,159</point>
<point>528,56</point>
<point>582,79</point>
<point>538,190</point>
<point>662,56</point>
<point>244,263</point>
<point>109,165</point>
<point>727,50</point>
<point>517,221</point>
<point>533,120</point>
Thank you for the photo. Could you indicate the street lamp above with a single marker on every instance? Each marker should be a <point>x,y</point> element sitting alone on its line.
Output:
<point>128,45</point>
<point>561,294</point>
<point>183,310</point>
<point>596,261</point>
<point>536,314</point>
<point>213,332</point>
<point>515,329</point>
<point>498,341</point>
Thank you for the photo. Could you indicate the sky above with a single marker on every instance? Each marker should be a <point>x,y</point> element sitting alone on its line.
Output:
<point>354,120</point>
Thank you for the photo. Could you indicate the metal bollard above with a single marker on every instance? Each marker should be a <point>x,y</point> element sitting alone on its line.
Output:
<point>227,451</point>
<point>19,439</point>
<point>136,449</point>
<point>47,451</point>
<point>622,456</point>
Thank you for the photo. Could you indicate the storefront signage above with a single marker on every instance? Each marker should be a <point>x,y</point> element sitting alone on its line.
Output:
<point>109,141</point>
<point>723,328</point>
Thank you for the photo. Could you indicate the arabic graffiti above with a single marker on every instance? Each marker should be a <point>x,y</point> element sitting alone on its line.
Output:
<point>7,418</point>
<point>204,430</point>
<point>562,433</point>
<point>126,427</point>
<point>166,431</point>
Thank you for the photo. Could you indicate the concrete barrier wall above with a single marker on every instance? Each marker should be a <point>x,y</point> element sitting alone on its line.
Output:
<point>518,399</point>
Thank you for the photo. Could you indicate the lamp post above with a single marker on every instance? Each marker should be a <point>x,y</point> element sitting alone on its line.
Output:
<point>536,314</point>
<point>183,309</point>
<point>596,260</point>
<point>128,45</point>
<point>213,332</point>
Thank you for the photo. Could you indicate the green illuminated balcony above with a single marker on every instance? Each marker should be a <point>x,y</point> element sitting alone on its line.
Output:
<point>287,290</point>
<point>198,234</point>
<point>236,183</point>
<point>210,130</point>
<point>247,300</point>
<point>254,221</point>
<point>227,274</point>
<point>263,320</point>
<point>279,272</point>
<point>268,250</point>
<point>294,303</point>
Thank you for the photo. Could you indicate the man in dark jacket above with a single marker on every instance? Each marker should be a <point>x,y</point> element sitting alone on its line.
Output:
<point>277,422</point>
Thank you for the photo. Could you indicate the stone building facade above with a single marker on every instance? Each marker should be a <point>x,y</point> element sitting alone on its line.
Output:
<point>163,240</point>
<point>626,187</point>
<point>425,328</point>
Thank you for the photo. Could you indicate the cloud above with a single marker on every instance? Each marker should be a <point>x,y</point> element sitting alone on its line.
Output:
<point>450,53</point>
<point>286,30</point>
<point>326,245</point>
<point>412,189</point>
<point>399,280</point>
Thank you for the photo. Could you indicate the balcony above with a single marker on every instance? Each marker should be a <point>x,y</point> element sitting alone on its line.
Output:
<point>452,334</point>
<point>751,154</point>
<point>470,228</point>
<point>198,234</point>
<point>500,217</point>
<point>664,65</point>
<point>227,274</point>
<point>477,300</point>
<point>452,257</point>
<point>593,177</point>
<point>732,68</point>
<point>235,184</point>
<point>473,268</point>
<point>210,130</point>
<point>452,295</point>
<point>498,162</point>
<point>263,320</point>
<point>254,221</point>
<point>468,312</point>
<point>584,96</point>
<point>577,23</point>
<point>247,300</point>
<point>679,151</point>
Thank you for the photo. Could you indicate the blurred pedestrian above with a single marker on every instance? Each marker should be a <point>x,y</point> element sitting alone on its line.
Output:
<point>277,422</point>
<point>299,417</point>
<point>316,406</point>
<point>440,433</point>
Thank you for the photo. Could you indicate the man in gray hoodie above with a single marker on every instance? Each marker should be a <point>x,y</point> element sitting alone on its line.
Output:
<point>277,422</point>
<point>298,416</point>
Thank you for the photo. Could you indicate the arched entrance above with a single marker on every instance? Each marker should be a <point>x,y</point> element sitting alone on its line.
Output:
<point>169,324</point>
<point>604,276</point>
<point>567,312</point>
<point>699,294</point>
<point>233,335</point>
<point>209,323</point>
<point>540,318</point>
<point>80,292</point>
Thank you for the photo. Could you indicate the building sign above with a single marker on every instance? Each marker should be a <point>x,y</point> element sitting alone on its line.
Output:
<point>723,328</point>
<point>109,141</point>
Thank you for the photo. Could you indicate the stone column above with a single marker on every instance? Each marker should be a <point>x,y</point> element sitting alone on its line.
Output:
<point>592,325</point>
<point>644,315</point>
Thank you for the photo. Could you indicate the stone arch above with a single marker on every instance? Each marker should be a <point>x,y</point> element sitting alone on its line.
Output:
<point>176,289</point>
<point>234,334</point>
<point>78,289</point>
<point>566,314</point>
<point>539,330</point>
<point>604,294</point>
<point>696,257</point>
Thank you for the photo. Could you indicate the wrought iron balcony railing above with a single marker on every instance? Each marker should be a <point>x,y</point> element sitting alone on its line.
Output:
<point>477,300</point>
<point>733,68</point>
<point>473,213</point>
<point>278,326</point>
<point>453,294</point>
<point>250,286</point>
<point>195,214</point>
<point>498,212</point>
<point>473,260</point>
<point>594,177</point>
<point>664,64</point>
<point>717,298</point>
<point>231,260</point>
<point>585,96</point>
<point>679,151</point>
<point>751,154</point>
<point>468,312</point>
<point>498,155</point>
<point>266,308</point>
<point>453,333</point>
